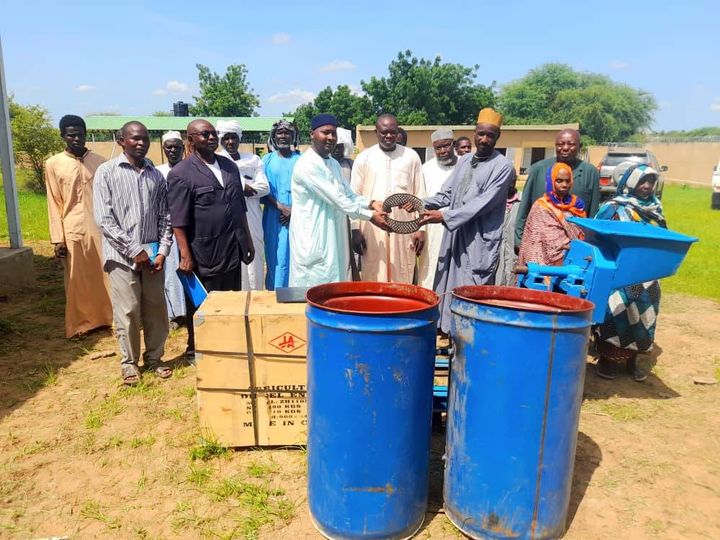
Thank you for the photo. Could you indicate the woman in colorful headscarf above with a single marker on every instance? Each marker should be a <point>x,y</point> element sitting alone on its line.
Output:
<point>547,233</point>
<point>629,326</point>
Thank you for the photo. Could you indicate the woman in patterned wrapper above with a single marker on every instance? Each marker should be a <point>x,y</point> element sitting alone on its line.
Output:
<point>547,233</point>
<point>629,326</point>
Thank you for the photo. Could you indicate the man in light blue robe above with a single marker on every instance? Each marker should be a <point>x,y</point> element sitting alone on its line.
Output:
<point>322,198</point>
<point>471,206</point>
<point>278,166</point>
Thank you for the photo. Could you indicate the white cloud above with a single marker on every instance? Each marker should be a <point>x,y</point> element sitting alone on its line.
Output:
<point>356,90</point>
<point>85,88</point>
<point>280,39</point>
<point>715,105</point>
<point>618,64</point>
<point>293,97</point>
<point>338,65</point>
<point>172,87</point>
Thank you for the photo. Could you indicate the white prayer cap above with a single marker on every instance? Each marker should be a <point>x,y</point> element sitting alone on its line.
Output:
<point>442,133</point>
<point>344,137</point>
<point>171,135</point>
<point>229,126</point>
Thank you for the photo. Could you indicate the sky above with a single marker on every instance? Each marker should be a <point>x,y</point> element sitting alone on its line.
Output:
<point>135,58</point>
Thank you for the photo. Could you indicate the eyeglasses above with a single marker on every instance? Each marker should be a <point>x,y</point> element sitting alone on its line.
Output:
<point>205,134</point>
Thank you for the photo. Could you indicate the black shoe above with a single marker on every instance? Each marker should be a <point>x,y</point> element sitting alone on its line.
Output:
<point>606,369</point>
<point>635,371</point>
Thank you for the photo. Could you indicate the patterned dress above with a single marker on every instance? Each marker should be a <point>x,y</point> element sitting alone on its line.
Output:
<point>629,325</point>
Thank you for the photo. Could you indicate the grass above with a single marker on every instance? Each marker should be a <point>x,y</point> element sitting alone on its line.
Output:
<point>207,449</point>
<point>93,510</point>
<point>688,211</point>
<point>33,213</point>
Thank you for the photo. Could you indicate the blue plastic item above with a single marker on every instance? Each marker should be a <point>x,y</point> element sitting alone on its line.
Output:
<point>614,254</point>
<point>194,288</point>
<point>371,352</point>
<point>516,384</point>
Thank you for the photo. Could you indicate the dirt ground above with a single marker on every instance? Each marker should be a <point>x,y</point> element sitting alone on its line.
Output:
<point>81,457</point>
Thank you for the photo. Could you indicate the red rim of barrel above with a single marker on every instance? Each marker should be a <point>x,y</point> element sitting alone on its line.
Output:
<point>318,296</point>
<point>540,300</point>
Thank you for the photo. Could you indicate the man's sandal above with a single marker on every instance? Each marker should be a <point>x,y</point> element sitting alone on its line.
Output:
<point>131,380</point>
<point>162,372</point>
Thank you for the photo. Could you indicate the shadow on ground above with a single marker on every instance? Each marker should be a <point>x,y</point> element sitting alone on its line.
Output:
<point>588,457</point>
<point>32,336</point>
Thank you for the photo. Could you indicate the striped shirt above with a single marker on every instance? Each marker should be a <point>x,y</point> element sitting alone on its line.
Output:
<point>131,209</point>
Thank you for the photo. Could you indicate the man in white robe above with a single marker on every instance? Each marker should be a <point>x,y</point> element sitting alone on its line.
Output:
<point>435,172</point>
<point>319,245</point>
<point>255,186</point>
<point>378,172</point>
<point>174,150</point>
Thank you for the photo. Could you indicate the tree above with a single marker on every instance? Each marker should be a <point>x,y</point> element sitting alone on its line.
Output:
<point>34,140</point>
<point>555,93</point>
<point>349,109</point>
<point>228,95</point>
<point>162,113</point>
<point>420,91</point>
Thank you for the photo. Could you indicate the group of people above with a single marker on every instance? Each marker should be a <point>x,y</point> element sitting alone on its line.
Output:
<point>127,229</point>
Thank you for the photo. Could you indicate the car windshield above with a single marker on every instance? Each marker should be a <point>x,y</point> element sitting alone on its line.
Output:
<point>616,159</point>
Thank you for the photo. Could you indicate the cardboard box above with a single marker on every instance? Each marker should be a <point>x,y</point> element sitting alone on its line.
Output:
<point>251,368</point>
<point>238,418</point>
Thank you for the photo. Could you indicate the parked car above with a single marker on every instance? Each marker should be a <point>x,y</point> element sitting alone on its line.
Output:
<point>614,157</point>
<point>715,204</point>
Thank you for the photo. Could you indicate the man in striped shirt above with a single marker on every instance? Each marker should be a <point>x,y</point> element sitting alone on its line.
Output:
<point>130,202</point>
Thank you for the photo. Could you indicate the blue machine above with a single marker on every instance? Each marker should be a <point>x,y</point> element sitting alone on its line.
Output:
<point>370,378</point>
<point>614,254</point>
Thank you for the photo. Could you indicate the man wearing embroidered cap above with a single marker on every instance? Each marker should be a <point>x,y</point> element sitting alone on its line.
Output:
<point>471,207</point>
<point>322,198</point>
<point>255,186</point>
<point>435,172</point>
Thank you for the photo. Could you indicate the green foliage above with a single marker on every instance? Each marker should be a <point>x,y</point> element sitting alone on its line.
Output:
<point>707,131</point>
<point>348,108</point>
<point>227,95</point>
<point>555,93</point>
<point>34,140</point>
<point>162,113</point>
<point>421,91</point>
<point>417,91</point>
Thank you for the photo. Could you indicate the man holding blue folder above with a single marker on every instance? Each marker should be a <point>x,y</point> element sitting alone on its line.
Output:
<point>130,205</point>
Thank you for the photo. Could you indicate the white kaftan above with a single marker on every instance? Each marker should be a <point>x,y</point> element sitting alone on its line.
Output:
<point>434,174</point>
<point>319,244</point>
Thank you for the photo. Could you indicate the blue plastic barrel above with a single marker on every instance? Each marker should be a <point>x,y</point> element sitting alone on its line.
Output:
<point>371,352</point>
<point>516,385</point>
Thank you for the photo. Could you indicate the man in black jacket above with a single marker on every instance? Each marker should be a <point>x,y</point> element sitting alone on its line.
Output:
<point>207,211</point>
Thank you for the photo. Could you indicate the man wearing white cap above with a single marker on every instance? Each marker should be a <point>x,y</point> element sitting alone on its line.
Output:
<point>435,172</point>
<point>174,149</point>
<point>255,186</point>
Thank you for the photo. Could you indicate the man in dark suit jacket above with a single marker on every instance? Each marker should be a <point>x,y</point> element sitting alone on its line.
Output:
<point>207,211</point>
<point>586,179</point>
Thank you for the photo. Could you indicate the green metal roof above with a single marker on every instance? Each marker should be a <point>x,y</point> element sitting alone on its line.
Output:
<point>177,123</point>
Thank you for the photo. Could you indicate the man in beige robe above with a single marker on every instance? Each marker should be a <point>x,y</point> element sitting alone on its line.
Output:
<point>435,172</point>
<point>380,171</point>
<point>73,232</point>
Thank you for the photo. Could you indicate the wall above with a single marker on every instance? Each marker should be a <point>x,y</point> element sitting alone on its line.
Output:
<point>155,153</point>
<point>688,162</point>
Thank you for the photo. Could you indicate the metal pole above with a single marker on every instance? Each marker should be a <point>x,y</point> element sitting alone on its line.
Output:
<point>8,163</point>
